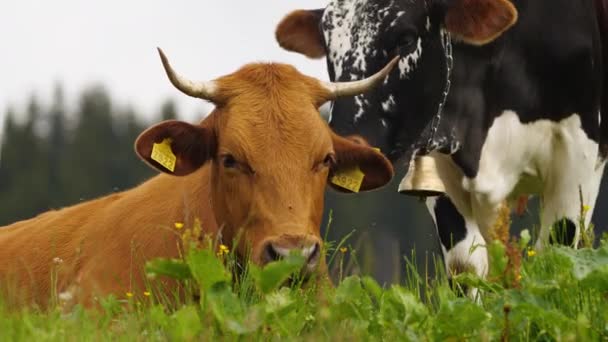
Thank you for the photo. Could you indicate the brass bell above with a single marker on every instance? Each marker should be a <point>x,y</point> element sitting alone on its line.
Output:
<point>422,179</point>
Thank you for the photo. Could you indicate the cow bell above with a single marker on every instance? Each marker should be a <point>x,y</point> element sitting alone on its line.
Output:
<point>422,179</point>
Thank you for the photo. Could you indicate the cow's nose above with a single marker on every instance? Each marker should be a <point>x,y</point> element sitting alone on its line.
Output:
<point>275,251</point>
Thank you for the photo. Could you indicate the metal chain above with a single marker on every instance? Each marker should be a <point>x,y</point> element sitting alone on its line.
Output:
<point>446,41</point>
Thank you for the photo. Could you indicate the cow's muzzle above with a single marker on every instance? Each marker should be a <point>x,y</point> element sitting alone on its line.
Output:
<point>282,246</point>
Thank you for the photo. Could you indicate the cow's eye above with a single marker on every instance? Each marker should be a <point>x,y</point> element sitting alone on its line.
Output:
<point>228,161</point>
<point>407,41</point>
<point>330,160</point>
<point>327,162</point>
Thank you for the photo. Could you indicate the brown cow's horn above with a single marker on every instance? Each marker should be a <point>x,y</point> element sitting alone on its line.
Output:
<point>201,90</point>
<point>338,89</point>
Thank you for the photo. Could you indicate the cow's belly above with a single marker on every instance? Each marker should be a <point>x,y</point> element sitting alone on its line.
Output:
<point>520,158</point>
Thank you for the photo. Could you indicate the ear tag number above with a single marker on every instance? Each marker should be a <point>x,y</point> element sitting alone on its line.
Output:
<point>350,179</point>
<point>162,154</point>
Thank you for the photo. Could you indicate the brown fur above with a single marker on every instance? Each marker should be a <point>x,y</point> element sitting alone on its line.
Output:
<point>299,32</point>
<point>268,120</point>
<point>479,22</point>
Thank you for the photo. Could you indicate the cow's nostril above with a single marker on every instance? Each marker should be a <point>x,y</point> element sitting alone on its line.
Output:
<point>313,257</point>
<point>270,254</point>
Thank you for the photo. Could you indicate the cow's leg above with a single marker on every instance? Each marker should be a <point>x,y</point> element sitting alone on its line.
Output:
<point>571,177</point>
<point>561,207</point>
<point>461,239</point>
<point>461,242</point>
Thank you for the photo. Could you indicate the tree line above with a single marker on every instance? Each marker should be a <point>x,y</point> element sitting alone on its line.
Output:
<point>51,157</point>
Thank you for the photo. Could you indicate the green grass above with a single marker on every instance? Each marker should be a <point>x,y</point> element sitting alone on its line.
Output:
<point>558,294</point>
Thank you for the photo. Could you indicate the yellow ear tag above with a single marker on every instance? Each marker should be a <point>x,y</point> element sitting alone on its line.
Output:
<point>350,179</point>
<point>162,154</point>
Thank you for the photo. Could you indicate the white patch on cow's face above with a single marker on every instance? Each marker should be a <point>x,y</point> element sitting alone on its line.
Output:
<point>399,14</point>
<point>389,104</point>
<point>359,102</point>
<point>352,29</point>
<point>345,18</point>
<point>408,63</point>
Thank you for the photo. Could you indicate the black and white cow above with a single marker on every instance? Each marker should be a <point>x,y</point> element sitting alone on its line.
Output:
<point>505,95</point>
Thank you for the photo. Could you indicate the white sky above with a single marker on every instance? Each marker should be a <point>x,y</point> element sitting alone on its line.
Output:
<point>113,42</point>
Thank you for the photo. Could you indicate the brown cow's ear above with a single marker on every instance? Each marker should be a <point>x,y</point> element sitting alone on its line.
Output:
<point>479,22</point>
<point>299,32</point>
<point>355,152</point>
<point>176,147</point>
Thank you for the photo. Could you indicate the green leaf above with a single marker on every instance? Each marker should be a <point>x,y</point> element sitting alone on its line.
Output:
<point>498,259</point>
<point>352,300</point>
<point>524,239</point>
<point>274,274</point>
<point>172,268</point>
<point>186,324</point>
<point>279,301</point>
<point>472,280</point>
<point>460,319</point>
<point>586,261</point>
<point>206,268</point>
<point>230,311</point>
<point>400,308</point>
<point>349,290</point>
<point>158,316</point>
<point>597,279</point>
<point>551,321</point>
<point>371,285</point>
<point>413,310</point>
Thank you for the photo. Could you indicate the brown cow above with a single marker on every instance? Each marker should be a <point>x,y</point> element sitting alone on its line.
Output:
<point>256,166</point>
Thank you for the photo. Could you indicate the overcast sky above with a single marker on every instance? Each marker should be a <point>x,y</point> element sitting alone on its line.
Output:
<point>113,42</point>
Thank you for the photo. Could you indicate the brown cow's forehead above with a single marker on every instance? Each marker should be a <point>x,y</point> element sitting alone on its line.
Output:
<point>271,111</point>
<point>293,136</point>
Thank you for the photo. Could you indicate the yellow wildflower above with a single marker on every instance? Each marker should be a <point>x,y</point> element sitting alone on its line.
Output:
<point>129,294</point>
<point>179,225</point>
<point>586,209</point>
<point>531,252</point>
<point>224,249</point>
<point>147,293</point>
<point>518,277</point>
<point>343,250</point>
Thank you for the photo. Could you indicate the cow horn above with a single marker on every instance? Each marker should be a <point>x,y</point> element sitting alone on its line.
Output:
<point>338,89</point>
<point>201,90</point>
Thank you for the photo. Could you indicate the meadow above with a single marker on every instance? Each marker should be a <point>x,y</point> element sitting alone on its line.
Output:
<point>557,294</point>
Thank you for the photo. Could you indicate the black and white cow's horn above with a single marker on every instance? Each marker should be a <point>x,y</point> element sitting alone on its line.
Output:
<point>202,90</point>
<point>338,89</point>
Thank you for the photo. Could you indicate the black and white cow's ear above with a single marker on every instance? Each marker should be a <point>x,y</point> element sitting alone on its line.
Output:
<point>300,32</point>
<point>175,147</point>
<point>479,22</point>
